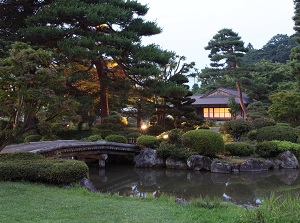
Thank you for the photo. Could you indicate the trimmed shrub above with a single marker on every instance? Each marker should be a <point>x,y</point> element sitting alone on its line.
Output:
<point>20,156</point>
<point>203,142</point>
<point>94,138</point>
<point>116,138</point>
<point>277,132</point>
<point>252,134</point>
<point>288,146</point>
<point>35,168</point>
<point>147,141</point>
<point>103,132</point>
<point>236,128</point>
<point>155,130</point>
<point>49,138</point>
<point>133,135</point>
<point>263,122</point>
<point>239,149</point>
<point>267,149</point>
<point>33,138</point>
<point>167,150</point>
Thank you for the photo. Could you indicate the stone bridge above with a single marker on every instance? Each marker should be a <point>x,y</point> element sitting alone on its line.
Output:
<point>76,148</point>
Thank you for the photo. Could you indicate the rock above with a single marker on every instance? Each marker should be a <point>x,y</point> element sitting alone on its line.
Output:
<point>181,201</point>
<point>197,162</point>
<point>86,183</point>
<point>220,167</point>
<point>147,158</point>
<point>287,160</point>
<point>253,165</point>
<point>175,164</point>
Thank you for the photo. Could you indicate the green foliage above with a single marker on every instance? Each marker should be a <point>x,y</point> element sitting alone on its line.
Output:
<point>277,132</point>
<point>133,135</point>
<point>49,137</point>
<point>203,142</point>
<point>33,138</point>
<point>233,106</point>
<point>155,130</point>
<point>274,209</point>
<point>103,132</point>
<point>147,141</point>
<point>286,107</point>
<point>15,157</point>
<point>236,128</point>
<point>19,167</point>
<point>252,134</point>
<point>115,119</point>
<point>239,149</point>
<point>94,138</point>
<point>263,122</point>
<point>174,136</point>
<point>288,146</point>
<point>168,150</point>
<point>267,149</point>
<point>116,138</point>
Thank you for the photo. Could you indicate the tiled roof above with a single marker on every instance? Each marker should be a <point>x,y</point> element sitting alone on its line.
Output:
<point>219,99</point>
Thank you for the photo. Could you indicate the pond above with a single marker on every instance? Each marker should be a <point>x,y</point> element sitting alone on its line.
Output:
<point>240,188</point>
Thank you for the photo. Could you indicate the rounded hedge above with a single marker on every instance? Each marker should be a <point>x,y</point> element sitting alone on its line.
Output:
<point>116,138</point>
<point>147,141</point>
<point>33,138</point>
<point>267,149</point>
<point>277,132</point>
<point>203,142</point>
<point>239,149</point>
<point>36,168</point>
<point>94,138</point>
<point>155,130</point>
<point>167,150</point>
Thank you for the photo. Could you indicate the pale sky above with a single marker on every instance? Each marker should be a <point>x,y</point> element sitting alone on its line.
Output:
<point>188,25</point>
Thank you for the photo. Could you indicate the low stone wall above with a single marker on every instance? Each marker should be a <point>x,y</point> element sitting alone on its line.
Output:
<point>286,160</point>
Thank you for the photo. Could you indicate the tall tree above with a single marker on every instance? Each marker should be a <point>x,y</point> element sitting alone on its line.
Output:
<point>295,55</point>
<point>31,92</point>
<point>95,33</point>
<point>226,51</point>
<point>13,14</point>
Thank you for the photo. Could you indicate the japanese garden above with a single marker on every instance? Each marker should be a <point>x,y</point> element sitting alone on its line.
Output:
<point>97,126</point>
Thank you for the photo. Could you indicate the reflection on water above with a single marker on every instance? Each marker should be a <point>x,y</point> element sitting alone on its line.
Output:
<point>241,188</point>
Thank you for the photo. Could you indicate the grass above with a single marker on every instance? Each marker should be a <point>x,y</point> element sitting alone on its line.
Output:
<point>24,202</point>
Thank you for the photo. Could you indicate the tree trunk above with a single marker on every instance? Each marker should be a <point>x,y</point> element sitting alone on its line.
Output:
<point>241,99</point>
<point>103,82</point>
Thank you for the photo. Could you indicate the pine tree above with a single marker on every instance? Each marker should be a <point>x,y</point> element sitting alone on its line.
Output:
<point>94,33</point>
<point>226,51</point>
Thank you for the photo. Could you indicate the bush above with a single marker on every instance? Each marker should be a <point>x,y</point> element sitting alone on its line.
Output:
<point>94,138</point>
<point>263,122</point>
<point>239,148</point>
<point>103,132</point>
<point>155,130</point>
<point>147,141</point>
<point>252,134</point>
<point>32,138</point>
<point>288,146</point>
<point>49,138</point>
<point>35,168</point>
<point>116,138</point>
<point>236,128</point>
<point>267,149</point>
<point>203,142</point>
<point>277,132</point>
<point>167,150</point>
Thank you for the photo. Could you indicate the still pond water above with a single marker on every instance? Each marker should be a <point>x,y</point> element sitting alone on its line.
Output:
<point>240,188</point>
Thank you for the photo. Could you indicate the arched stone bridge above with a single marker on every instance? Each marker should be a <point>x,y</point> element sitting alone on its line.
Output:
<point>76,148</point>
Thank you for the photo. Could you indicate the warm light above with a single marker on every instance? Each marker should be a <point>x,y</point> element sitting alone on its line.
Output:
<point>144,127</point>
<point>165,137</point>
